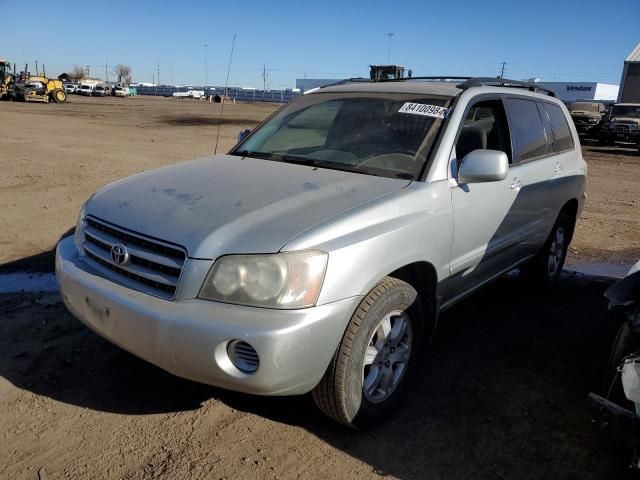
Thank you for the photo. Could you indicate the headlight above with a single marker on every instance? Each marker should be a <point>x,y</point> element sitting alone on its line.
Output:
<point>79,232</point>
<point>283,280</point>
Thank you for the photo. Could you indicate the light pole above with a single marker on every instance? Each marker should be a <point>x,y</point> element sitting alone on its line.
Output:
<point>390,34</point>
<point>206,72</point>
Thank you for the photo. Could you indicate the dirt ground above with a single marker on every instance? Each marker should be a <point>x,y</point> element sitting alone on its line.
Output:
<point>502,394</point>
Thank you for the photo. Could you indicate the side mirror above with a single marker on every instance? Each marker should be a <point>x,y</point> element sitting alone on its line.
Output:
<point>481,166</point>
<point>243,134</point>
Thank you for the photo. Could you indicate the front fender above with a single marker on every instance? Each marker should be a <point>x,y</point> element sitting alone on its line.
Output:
<point>365,244</point>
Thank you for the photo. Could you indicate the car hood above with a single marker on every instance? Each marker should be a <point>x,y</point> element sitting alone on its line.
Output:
<point>582,113</point>
<point>228,204</point>
<point>633,120</point>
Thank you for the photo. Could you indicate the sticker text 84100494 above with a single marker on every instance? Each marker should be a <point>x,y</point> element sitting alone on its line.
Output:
<point>424,109</point>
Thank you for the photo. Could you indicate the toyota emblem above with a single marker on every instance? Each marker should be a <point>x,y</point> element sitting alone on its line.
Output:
<point>119,254</point>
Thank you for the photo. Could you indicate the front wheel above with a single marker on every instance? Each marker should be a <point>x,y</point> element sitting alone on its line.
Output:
<point>59,96</point>
<point>368,373</point>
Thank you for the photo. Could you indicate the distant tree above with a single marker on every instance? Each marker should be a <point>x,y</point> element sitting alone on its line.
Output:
<point>124,73</point>
<point>77,73</point>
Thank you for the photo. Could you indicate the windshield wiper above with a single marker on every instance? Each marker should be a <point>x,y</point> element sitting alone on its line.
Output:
<point>313,162</point>
<point>251,153</point>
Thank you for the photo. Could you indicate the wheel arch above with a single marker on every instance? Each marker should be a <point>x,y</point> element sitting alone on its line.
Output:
<point>570,209</point>
<point>423,277</point>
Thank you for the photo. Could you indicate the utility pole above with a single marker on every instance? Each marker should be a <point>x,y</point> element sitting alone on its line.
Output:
<point>158,74</point>
<point>264,78</point>
<point>390,35</point>
<point>87,69</point>
<point>171,70</point>
<point>206,69</point>
<point>106,71</point>
<point>502,70</point>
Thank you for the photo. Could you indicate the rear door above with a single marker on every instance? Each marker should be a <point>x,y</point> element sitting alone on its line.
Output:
<point>533,149</point>
<point>561,165</point>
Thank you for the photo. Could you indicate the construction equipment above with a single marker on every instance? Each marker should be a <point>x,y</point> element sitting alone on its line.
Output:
<point>379,73</point>
<point>37,88</point>
<point>6,78</point>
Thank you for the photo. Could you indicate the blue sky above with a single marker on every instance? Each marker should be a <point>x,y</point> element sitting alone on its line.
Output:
<point>559,40</point>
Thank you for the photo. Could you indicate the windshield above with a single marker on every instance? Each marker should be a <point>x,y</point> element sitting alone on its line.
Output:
<point>376,134</point>
<point>626,111</point>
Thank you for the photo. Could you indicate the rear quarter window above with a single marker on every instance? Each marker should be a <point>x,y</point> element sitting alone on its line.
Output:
<point>526,129</point>
<point>560,126</point>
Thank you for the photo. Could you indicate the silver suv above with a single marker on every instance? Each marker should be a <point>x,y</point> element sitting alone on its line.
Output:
<point>317,254</point>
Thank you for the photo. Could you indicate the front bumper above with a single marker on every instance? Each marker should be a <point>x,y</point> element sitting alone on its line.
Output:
<point>626,136</point>
<point>189,338</point>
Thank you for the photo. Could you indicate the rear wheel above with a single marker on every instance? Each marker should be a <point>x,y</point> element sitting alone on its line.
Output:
<point>368,373</point>
<point>546,267</point>
<point>59,96</point>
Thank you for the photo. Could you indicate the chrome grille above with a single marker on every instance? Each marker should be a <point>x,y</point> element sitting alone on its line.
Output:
<point>153,266</point>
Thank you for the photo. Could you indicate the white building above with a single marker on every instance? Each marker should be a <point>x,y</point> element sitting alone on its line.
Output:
<point>583,91</point>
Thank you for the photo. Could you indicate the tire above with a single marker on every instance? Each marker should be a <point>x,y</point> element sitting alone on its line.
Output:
<point>626,343</point>
<point>546,266</point>
<point>59,96</point>
<point>621,433</point>
<point>365,357</point>
<point>26,92</point>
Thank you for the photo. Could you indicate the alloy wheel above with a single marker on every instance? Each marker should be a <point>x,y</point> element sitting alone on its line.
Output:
<point>556,252</point>
<point>387,356</point>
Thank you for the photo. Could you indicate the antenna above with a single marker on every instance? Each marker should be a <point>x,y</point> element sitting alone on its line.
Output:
<point>390,35</point>
<point>502,69</point>
<point>225,94</point>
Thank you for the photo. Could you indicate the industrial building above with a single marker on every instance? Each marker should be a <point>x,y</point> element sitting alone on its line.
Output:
<point>630,81</point>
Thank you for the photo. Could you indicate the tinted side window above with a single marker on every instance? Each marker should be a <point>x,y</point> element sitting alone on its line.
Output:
<point>484,127</point>
<point>561,130</point>
<point>527,129</point>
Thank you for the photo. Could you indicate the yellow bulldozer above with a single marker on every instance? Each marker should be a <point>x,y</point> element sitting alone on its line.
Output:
<point>6,78</point>
<point>29,88</point>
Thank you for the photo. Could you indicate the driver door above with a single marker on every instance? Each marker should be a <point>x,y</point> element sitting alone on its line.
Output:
<point>485,214</point>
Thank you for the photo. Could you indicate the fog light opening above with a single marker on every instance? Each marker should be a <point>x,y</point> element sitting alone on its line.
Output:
<point>243,356</point>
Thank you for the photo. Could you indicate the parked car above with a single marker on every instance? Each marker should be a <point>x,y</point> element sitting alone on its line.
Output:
<point>101,90</point>
<point>588,117</point>
<point>317,254</point>
<point>85,90</point>
<point>70,87</point>
<point>623,125</point>
<point>120,91</point>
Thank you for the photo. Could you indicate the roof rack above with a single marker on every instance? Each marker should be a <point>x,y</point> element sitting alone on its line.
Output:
<point>503,82</point>
<point>467,83</point>
<point>437,77</point>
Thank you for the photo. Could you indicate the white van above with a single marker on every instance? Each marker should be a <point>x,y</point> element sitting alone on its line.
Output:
<point>85,90</point>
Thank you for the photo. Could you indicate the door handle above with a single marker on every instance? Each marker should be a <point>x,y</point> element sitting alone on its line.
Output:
<point>516,183</point>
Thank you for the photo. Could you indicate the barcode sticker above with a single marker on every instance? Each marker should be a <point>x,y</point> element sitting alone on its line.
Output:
<point>424,109</point>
